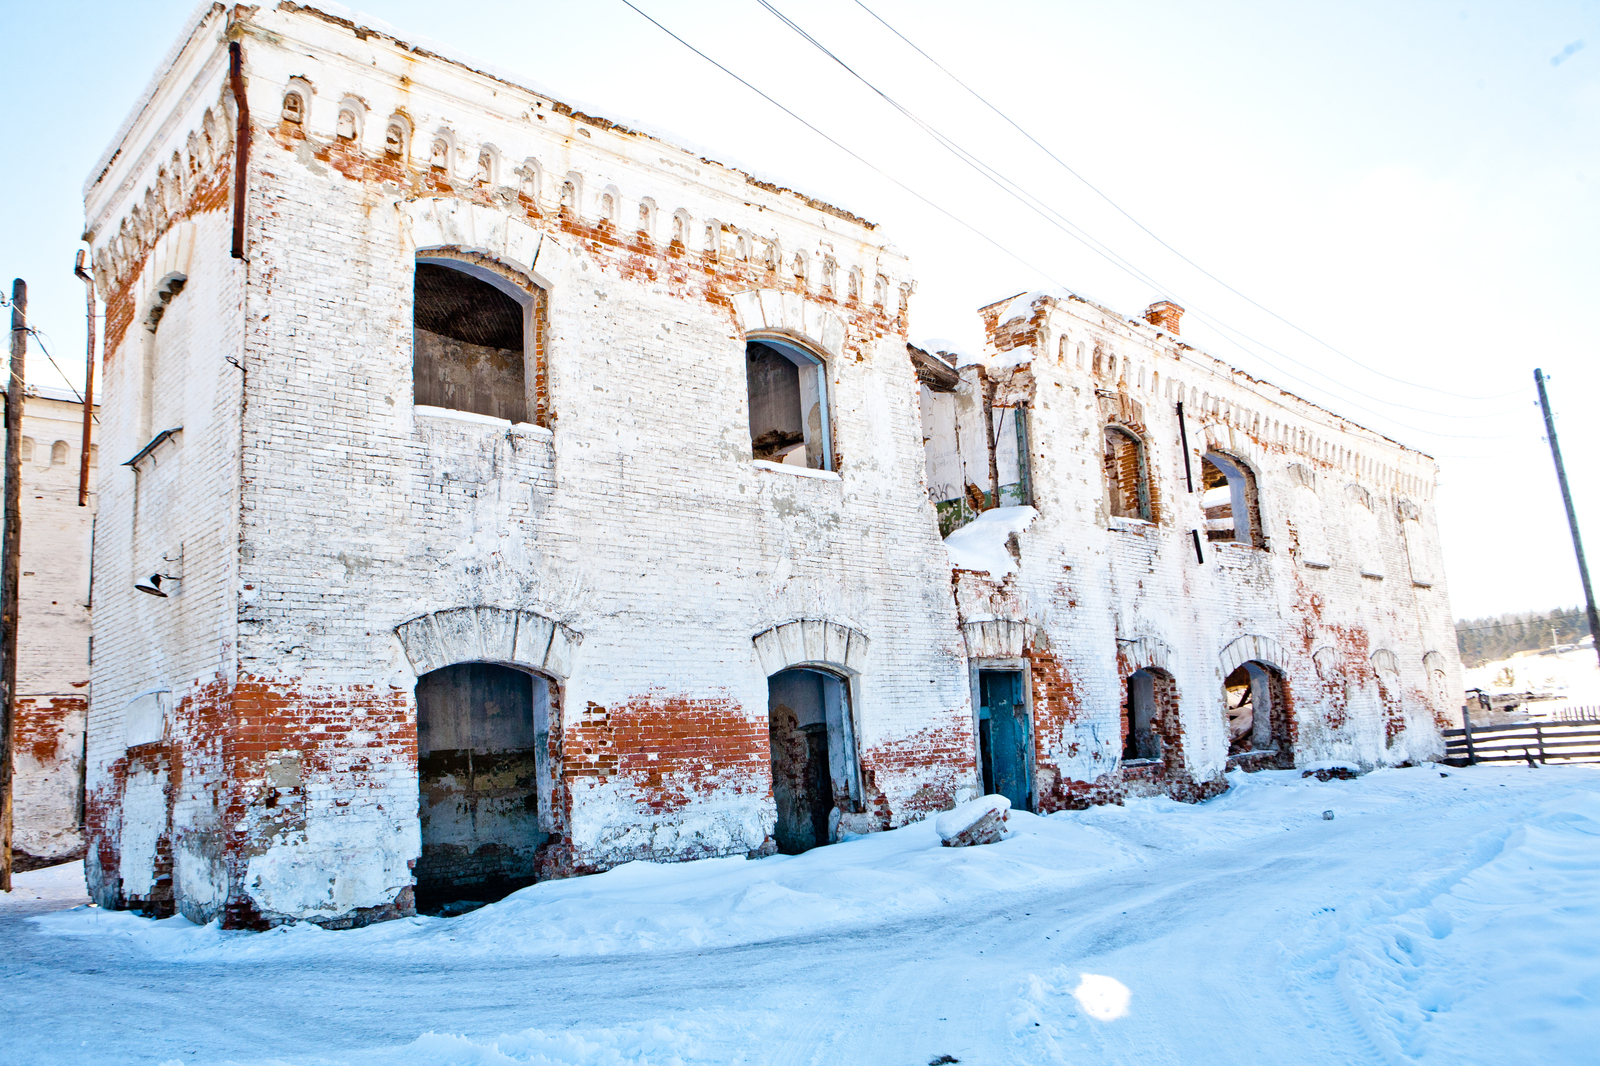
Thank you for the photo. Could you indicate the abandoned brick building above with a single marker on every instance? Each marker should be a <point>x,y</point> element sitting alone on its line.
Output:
<point>502,494</point>
<point>1204,571</point>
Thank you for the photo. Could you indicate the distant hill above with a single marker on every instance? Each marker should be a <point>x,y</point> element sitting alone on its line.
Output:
<point>1485,640</point>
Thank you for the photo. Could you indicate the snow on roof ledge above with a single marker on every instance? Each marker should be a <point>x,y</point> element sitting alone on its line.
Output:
<point>362,23</point>
<point>981,543</point>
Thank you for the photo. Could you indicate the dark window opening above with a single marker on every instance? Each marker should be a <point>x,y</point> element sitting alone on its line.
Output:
<point>1005,743</point>
<point>481,731</point>
<point>1149,713</point>
<point>813,754</point>
<point>788,405</point>
<point>1228,496</point>
<point>1257,711</point>
<point>469,345</point>
<point>1127,474</point>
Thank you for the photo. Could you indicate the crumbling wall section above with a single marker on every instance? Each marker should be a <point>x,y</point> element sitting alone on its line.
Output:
<point>1092,581</point>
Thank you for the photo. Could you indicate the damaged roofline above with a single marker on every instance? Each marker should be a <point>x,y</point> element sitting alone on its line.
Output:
<point>348,21</point>
<point>1346,424</point>
<point>330,13</point>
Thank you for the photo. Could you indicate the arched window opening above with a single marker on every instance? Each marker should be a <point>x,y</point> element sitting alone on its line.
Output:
<point>1127,474</point>
<point>294,108</point>
<point>813,749</point>
<point>396,137</point>
<point>470,340</point>
<point>788,405</point>
<point>1149,698</point>
<point>1256,706</point>
<point>482,768</point>
<point>1229,498</point>
<point>60,452</point>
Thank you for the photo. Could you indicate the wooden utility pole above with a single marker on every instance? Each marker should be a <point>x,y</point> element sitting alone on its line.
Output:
<point>1566,498</point>
<point>9,573</point>
<point>88,384</point>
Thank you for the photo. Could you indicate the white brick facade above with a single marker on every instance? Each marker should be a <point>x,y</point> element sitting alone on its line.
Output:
<point>322,541</point>
<point>53,637</point>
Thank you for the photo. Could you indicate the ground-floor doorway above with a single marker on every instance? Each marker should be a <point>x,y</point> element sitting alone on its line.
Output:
<point>1256,701</point>
<point>481,731</point>
<point>1005,741</point>
<point>813,756</point>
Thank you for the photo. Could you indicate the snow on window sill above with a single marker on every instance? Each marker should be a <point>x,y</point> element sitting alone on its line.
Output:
<point>797,471</point>
<point>1120,524</point>
<point>526,429</point>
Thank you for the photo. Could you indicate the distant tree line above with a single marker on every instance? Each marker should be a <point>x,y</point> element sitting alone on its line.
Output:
<point>1486,640</point>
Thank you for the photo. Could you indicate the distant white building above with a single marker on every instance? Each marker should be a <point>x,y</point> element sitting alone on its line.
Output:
<point>53,632</point>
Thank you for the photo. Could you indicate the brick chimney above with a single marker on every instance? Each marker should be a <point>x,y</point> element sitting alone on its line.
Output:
<point>1164,314</point>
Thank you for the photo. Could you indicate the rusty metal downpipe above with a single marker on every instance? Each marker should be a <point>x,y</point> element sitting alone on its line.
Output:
<point>241,144</point>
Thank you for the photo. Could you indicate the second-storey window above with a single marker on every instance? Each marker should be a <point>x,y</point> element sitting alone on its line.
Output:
<point>470,341</point>
<point>788,404</point>
<point>1127,474</point>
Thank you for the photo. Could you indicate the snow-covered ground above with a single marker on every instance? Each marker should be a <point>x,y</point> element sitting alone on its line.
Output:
<point>1434,919</point>
<point>1573,676</point>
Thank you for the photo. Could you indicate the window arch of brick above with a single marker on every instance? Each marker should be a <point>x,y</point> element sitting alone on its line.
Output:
<point>1127,472</point>
<point>1228,495</point>
<point>479,338</point>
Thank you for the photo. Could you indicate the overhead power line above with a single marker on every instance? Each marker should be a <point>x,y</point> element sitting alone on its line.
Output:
<point>1060,221</point>
<point>853,155</point>
<point>1151,233</point>
<point>1044,211</point>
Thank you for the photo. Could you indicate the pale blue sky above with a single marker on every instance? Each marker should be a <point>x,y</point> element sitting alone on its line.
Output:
<point>1416,184</point>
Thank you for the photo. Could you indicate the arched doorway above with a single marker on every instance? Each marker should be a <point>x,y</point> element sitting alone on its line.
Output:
<point>482,746</point>
<point>1256,706</point>
<point>808,716</point>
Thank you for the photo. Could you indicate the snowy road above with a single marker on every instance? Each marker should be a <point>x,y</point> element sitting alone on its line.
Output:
<point>1434,919</point>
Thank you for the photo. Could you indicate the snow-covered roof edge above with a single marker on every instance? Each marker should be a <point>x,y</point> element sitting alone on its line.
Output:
<point>358,21</point>
<point>195,21</point>
<point>1017,306</point>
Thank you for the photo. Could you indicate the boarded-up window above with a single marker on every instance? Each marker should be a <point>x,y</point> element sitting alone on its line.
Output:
<point>1127,474</point>
<point>1366,539</point>
<point>469,344</point>
<point>1418,554</point>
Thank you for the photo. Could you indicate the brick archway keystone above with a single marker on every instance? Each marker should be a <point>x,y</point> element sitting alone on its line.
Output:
<point>756,310</point>
<point>1251,647</point>
<point>995,638</point>
<point>1146,653</point>
<point>489,634</point>
<point>811,642</point>
<point>448,223</point>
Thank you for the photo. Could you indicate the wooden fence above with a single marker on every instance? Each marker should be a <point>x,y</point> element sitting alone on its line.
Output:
<point>1565,714</point>
<point>1556,740</point>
